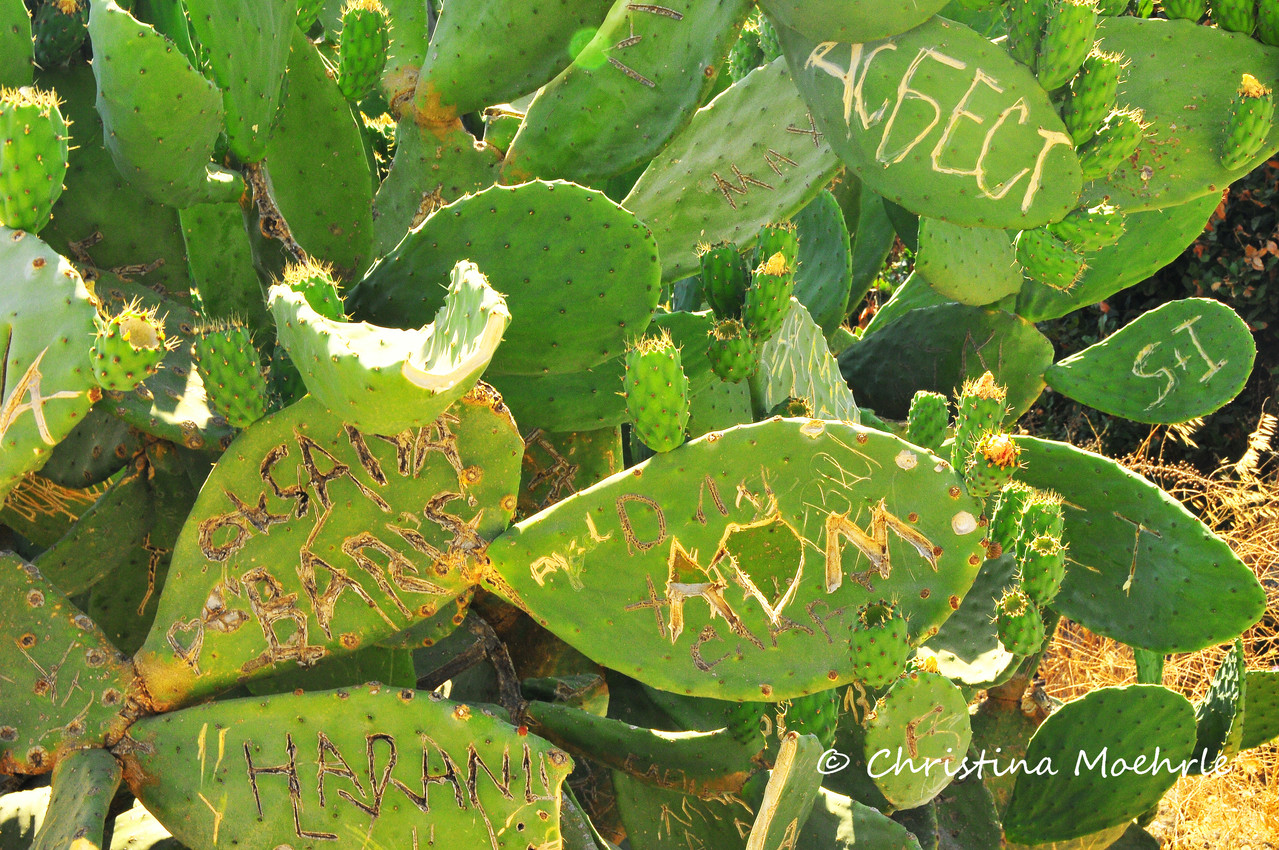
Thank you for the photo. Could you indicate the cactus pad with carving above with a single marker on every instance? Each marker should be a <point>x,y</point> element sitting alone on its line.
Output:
<point>387,380</point>
<point>368,763</point>
<point>693,572</point>
<point>33,157</point>
<point>313,536</point>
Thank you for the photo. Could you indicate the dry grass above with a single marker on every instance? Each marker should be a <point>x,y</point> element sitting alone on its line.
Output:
<point>1240,809</point>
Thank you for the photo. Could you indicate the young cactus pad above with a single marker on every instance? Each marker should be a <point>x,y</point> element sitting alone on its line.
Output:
<point>33,157</point>
<point>386,380</point>
<point>742,581</point>
<point>313,536</point>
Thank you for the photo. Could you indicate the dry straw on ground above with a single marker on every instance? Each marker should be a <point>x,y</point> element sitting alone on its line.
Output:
<point>1240,809</point>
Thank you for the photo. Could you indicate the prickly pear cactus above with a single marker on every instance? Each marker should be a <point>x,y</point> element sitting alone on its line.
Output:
<point>308,335</point>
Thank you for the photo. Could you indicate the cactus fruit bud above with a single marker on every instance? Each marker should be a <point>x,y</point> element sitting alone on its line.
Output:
<point>1040,517</point>
<point>1068,37</point>
<point>991,465</point>
<point>1251,113</point>
<point>768,298</point>
<point>314,282</point>
<point>1185,10</point>
<point>366,38</point>
<point>793,408</point>
<point>980,408</point>
<point>927,420</point>
<point>232,374</point>
<point>657,392</point>
<point>1004,522</point>
<point>769,40</point>
<point>746,54</point>
<point>1235,15</point>
<point>878,643</point>
<point>725,276</point>
<point>1042,569</point>
<point>1025,22</point>
<point>1092,94</point>
<point>1048,259</point>
<point>1090,229</point>
<point>59,28</point>
<point>733,353</point>
<point>1021,630</point>
<point>33,157</point>
<point>1115,140</point>
<point>128,348</point>
<point>781,237</point>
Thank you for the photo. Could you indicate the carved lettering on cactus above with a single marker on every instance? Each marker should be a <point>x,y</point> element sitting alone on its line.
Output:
<point>1180,361</point>
<point>812,131</point>
<point>873,545</point>
<point>891,151</point>
<point>628,529</point>
<point>708,484</point>
<point>366,787</point>
<point>558,476</point>
<point>28,385</point>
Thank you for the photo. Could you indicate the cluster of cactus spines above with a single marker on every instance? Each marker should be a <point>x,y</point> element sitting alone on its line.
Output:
<point>33,156</point>
<point>128,347</point>
<point>656,391</point>
<point>231,370</point>
<point>878,643</point>
<point>1251,116</point>
<point>369,495</point>
<point>366,37</point>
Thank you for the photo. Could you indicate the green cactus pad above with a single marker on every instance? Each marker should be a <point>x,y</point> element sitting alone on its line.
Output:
<point>240,599</point>
<point>581,401</point>
<point>1116,140</point>
<point>84,782</point>
<point>65,686</point>
<point>815,714</point>
<point>428,171</point>
<point>1189,10</point>
<point>971,265</point>
<point>386,380</point>
<point>700,762</point>
<point>46,321</point>
<point>410,33</point>
<point>15,44</point>
<point>560,464</point>
<point>656,391</point>
<point>788,796</point>
<point>361,764</point>
<point>247,45</point>
<point>1267,22</point>
<point>851,22</point>
<point>967,818</point>
<point>1048,259</point>
<point>1219,716</point>
<point>220,259</point>
<point>1261,720</point>
<point>231,370</point>
<point>944,345</point>
<point>1142,569</point>
<point>574,301</point>
<point>824,272</point>
<point>933,156</point>
<point>630,88</point>
<point>718,408</point>
<point>1235,15</point>
<point>481,56</point>
<point>1021,631</point>
<point>797,363</point>
<point>1094,745</point>
<point>923,719</point>
<point>1090,229</point>
<point>694,191</point>
<point>95,450</point>
<point>161,134</point>
<point>1172,65</point>
<point>318,172</point>
<point>1152,239</point>
<point>839,823</point>
<point>668,566</point>
<point>1184,359</point>
<point>136,231</point>
<point>913,294</point>
<point>33,157</point>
